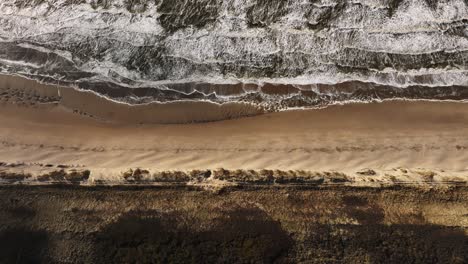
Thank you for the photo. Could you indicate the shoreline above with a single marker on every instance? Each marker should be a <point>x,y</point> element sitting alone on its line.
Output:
<point>89,102</point>
<point>381,136</point>
<point>23,90</point>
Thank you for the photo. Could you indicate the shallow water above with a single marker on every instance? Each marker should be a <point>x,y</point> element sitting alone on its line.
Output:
<point>273,54</point>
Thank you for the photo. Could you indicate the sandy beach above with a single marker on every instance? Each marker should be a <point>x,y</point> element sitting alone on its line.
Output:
<point>346,138</point>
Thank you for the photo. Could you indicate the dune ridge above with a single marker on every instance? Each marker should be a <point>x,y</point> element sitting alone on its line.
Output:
<point>220,178</point>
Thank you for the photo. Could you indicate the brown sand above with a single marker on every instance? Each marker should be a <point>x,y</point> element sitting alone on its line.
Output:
<point>381,136</point>
<point>51,124</point>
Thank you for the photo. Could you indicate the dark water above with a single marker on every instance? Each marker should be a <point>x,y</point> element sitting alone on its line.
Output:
<point>274,53</point>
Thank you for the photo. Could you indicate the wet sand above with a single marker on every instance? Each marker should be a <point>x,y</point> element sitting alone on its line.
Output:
<point>47,124</point>
<point>20,90</point>
<point>381,136</point>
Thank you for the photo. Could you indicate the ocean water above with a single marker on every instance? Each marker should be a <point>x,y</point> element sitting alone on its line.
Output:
<point>274,54</point>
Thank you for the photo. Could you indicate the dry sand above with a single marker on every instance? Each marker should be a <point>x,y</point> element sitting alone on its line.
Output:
<point>419,136</point>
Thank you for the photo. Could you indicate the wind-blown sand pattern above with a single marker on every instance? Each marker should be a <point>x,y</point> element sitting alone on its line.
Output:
<point>233,131</point>
<point>384,135</point>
